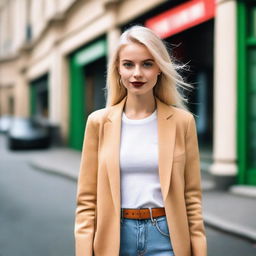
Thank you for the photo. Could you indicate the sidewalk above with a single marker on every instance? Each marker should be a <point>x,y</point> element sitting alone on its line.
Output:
<point>228,211</point>
<point>60,161</point>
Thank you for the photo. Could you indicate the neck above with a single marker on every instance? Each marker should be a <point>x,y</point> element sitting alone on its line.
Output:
<point>140,104</point>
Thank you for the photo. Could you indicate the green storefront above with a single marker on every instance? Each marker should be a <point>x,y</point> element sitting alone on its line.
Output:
<point>246,132</point>
<point>87,80</point>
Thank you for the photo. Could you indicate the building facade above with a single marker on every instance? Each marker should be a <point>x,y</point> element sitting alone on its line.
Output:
<point>53,58</point>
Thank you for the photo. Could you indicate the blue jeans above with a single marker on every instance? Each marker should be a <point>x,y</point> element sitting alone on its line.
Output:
<point>145,237</point>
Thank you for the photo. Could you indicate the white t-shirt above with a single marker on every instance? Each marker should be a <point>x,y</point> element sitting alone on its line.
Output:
<point>140,185</point>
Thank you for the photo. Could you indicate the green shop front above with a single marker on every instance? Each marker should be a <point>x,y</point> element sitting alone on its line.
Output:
<point>87,82</point>
<point>246,96</point>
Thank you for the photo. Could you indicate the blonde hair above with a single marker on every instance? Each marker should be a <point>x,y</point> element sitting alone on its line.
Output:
<point>166,88</point>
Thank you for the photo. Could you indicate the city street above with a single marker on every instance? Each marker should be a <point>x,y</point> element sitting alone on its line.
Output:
<point>221,244</point>
<point>36,210</point>
<point>37,213</point>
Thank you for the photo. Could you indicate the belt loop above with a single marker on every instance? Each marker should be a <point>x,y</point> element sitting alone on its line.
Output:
<point>151,216</point>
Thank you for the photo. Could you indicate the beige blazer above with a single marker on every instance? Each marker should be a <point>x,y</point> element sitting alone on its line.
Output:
<point>97,223</point>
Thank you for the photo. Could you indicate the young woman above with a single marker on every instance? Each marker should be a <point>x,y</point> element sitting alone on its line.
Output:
<point>139,189</point>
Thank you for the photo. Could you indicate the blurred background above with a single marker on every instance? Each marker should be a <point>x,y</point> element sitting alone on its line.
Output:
<point>53,60</point>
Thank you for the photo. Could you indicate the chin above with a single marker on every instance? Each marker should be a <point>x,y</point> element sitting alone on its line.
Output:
<point>139,93</point>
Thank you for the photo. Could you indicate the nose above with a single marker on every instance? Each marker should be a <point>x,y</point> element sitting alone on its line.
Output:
<point>137,71</point>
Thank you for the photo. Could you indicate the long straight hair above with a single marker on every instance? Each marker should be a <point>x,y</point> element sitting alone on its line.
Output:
<point>166,88</point>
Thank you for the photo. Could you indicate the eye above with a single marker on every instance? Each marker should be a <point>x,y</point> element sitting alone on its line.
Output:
<point>127,64</point>
<point>148,64</point>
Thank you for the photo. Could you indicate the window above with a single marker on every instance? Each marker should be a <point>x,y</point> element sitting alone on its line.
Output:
<point>252,107</point>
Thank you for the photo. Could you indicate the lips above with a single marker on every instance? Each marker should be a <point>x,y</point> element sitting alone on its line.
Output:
<point>137,84</point>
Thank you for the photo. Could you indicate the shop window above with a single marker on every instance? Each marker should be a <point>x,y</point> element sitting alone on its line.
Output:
<point>39,97</point>
<point>94,85</point>
<point>252,87</point>
<point>194,47</point>
<point>252,108</point>
<point>252,22</point>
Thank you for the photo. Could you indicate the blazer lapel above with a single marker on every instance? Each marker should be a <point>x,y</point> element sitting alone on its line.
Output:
<point>166,141</point>
<point>112,131</point>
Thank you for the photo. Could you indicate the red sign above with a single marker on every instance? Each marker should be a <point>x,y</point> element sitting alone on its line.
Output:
<point>182,17</point>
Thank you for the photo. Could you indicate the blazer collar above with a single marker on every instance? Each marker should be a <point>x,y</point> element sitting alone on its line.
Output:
<point>116,111</point>
<point>166,142</point>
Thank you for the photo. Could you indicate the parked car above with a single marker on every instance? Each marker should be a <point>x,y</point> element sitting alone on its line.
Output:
<point>27,133</point>
<point>5,122</point>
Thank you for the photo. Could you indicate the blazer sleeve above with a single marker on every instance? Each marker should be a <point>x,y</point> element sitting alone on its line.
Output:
<point>87,192</point>
<point>193,193</point>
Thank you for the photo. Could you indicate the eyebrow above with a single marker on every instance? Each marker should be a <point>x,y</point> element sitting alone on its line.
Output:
<point>142,60</point>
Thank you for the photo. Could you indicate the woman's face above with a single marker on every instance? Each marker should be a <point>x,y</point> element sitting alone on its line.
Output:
<point>137,69</point>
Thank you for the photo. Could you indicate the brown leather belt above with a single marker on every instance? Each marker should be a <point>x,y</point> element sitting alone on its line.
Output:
<point>142,214</point>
